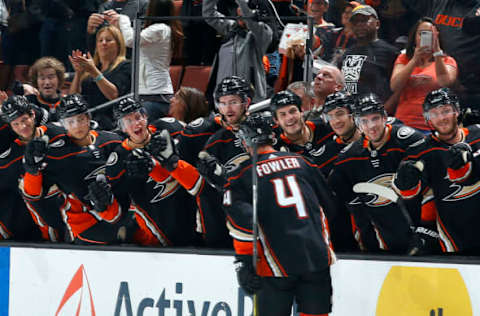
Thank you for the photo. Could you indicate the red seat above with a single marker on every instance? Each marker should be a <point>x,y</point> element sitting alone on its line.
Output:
<point>176,76</point>
<point>196,77</point>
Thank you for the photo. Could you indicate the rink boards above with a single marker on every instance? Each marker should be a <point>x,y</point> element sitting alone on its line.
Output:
<point>133,282</point>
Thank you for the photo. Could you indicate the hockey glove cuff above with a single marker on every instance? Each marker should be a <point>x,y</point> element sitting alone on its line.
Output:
<point>100,194</point>
<point>249,281</point>
<point>35,154</point>
<point>423,241</point>
<point>212,170</point>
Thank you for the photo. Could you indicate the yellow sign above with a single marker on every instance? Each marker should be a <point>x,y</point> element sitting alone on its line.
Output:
<point>421,291</point>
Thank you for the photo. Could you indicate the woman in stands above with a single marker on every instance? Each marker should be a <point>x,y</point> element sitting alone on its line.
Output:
<point>160,40</point>
<point>418,71</point>
<point>104,77</point>
<point>188,104</point>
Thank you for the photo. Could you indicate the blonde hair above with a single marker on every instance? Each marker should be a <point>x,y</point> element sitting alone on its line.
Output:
<point>44,63</point>
<point>122,50</point>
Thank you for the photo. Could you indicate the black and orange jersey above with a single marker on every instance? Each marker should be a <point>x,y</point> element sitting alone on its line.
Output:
<point>163,202</point>
<point>293,230</point>
<point>359,162</point>
<point>456,201</point>
<point>72,168</point>
<point>195,135</point>
<point>47,105</point>
<point>315,147</point>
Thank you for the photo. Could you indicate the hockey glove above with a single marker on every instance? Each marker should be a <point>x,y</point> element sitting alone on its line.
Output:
<point>100,193</point>
<point>408,175</point>
<point>139,163</point>
<point>35,153</point>
<point>459,155</point>
<point>162,148</point>
<point>211,169</point>
<point>249,281</point>
<point>423,241</point>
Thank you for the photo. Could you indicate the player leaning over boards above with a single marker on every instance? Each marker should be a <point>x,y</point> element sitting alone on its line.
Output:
<point>449,156</point>
<point>294,252</point>
<point>374,158</point>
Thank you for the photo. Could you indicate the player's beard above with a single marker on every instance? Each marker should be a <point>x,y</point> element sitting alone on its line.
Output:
<point>447,133</point>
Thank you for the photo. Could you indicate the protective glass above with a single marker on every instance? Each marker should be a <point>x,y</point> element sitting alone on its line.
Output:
<point>441,111</point>
<point>133,119</point>
<point>369,122</point>
<point>230,103</point>
<point>338,115</point>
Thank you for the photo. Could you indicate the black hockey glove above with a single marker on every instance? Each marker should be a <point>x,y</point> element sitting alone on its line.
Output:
<point>408,175</point>
<point>423,241</point>
<point>139,163</point>
<point>459,155</point>
<point>35,153</point>
<point>161,146</point>
<point>249,281</point>
<point>211,169</point>
<point>100,193</point>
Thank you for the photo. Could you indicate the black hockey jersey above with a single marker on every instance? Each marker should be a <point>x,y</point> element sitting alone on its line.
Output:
<point>357,163</point>
<point>293,231</point>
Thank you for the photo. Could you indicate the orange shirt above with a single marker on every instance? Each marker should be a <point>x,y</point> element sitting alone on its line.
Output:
<point>420,83</point>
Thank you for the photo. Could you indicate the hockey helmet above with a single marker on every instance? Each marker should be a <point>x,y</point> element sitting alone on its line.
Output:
<point>72,105</point>
<point>284,98</point>
<point>439,97</point>
<point>368,104</point>
<point>126,106</point>
<point>233,86</point>
<point>257,128</point>
<point>14,107</point>
<point>338,99</point>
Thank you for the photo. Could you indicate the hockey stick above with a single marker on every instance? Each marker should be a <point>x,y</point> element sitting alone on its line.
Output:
<point>255,217</point>
<point>109,103</point>
<point>259,106</point>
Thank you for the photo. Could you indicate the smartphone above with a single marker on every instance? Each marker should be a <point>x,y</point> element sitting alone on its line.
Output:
<point>426,39</point>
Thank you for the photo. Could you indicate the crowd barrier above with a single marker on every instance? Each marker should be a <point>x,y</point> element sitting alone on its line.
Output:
<point>132,281</point>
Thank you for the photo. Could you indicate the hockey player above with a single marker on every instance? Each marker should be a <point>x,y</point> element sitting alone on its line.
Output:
<point>374,158</point>
<point>232,97</point>
<point>294,251</point>
<point>164,210</point>
<point>76,164</point>
<point>448,156</point>
<point>307,138</point>
<point>15,222</point>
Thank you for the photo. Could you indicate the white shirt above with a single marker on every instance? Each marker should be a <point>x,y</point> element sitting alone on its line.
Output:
<point>155,56</point>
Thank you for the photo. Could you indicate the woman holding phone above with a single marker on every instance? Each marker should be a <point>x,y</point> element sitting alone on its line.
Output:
<point>422,68</point>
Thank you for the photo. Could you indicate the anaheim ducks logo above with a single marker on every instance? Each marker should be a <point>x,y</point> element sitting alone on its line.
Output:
<point>462,192</point>
<point>233,163</point>
<point>163,189</point>
<point>375,200</point>
<point>5,153</point>
<point>93,175</point>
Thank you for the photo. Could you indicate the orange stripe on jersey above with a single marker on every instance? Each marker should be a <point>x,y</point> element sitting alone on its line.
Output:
<point>230,219</point>
<point>188,176</point>
<point>429,212</point>
<point>4,126</point>
<point>67,155</point>
<point>112,213</point>
<point>5,230</point>
<point>110,142</point>
<point>459,175</point>
<point>243,247</point>
<point>328,161</point>
<point>196,135</point>
<point>425,152</point>
<point>55,137</point>
<point>218,141</point>
<point>158,173</point>
<point>145,215</point>
<point>91,241</point>
<point>447,235</point>
<point>32,184</point>
<point>274,257</point>
<point>408,194</point>
<point>121,173</point>
<point>351,159</point>
<point>11,162</point>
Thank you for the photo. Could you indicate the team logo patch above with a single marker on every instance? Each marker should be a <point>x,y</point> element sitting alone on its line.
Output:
<point>317,152</point>
<point>168,119</point>
<point>405,132</point>
<point>196,123</point>
<point>376,200</point>
<point>344,150</point>
<point>112,159</point>
<point>5,153</point>
<point>57,144</point>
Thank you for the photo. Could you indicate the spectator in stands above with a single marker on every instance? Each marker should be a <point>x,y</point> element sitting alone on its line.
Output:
<point>47,75</point>
<point>304,91</point>
<point>159,41</point>
<point>96,21</point>
<point>104,77</point>
<point>328,80</point>
<point>338,39</point>
<point>188,104</point>
<point>368,65</point>
<point>246,43</point>
<point>317,9</point>
<point>418,71</point>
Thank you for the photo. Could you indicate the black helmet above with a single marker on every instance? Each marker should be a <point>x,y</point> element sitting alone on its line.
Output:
<point>439,97</point>
<point>72,105</point>
<point>124,107</point>
<point>233,86</point>
<point>367,104</point>
<point>339,100</point>
<point>14,107</point>
<point>284,98</point>
<point>257,128</point>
